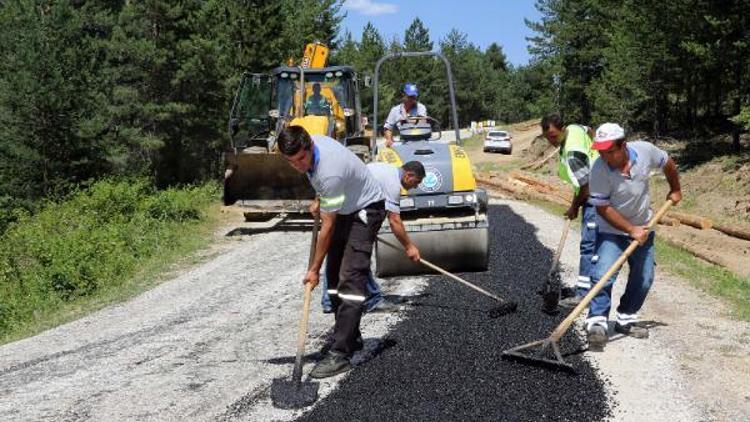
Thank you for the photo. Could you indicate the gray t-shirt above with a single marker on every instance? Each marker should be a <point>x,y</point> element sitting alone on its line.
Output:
<point>399,113</point>
<point>340,178</point>
<point>627,194</point>
<point>389,179</point>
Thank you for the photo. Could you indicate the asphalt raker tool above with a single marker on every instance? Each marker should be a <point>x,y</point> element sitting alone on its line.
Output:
<point>538,357</point>
<point>505,307</point>
<point>553,284</point>
<point>295,394</point>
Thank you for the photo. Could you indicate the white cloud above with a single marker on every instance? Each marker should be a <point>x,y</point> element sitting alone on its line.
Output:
<point>371,8</point>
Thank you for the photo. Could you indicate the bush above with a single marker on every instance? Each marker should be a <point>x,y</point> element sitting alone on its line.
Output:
<point>97,238</point>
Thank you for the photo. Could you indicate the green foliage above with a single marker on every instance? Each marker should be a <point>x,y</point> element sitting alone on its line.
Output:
<point>666,66</point>
<point>95,240</point>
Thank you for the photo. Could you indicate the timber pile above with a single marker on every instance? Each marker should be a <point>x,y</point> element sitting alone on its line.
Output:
<point>691,220</point>
<point>534,165</point>
<point>733,231</point>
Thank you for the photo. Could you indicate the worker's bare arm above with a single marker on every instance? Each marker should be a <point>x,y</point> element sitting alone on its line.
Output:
<point>398,229</point>
<point>577,201</point>
<point>673,178</point>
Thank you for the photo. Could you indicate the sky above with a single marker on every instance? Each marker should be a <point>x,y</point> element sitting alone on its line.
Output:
<point>484,21</point>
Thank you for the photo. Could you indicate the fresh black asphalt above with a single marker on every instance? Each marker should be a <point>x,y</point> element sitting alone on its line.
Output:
<point>443,361</point>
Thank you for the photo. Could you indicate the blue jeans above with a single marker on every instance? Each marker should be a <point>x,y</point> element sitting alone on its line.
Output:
<point>609,247</point>
<point>587,249</point>
<point>372,289</point>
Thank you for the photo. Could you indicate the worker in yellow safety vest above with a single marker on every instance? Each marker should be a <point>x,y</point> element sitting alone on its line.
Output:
<point>574,168</point>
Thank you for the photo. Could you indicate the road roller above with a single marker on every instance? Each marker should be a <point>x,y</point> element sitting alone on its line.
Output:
<point>446,215</point>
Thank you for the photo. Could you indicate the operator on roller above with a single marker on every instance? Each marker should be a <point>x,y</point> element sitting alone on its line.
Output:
<point>409,107</point>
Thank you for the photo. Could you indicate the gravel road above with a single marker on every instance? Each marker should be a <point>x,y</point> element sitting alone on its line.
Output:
<point>206,345</point>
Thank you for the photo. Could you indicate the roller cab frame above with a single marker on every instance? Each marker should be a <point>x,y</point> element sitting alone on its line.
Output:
<point>446,215</point>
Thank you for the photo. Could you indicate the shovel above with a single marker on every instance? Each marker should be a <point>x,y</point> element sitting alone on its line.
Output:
<point>505,307</point>
<point>551,292</point>
<point>295,394</point>
<point>538,357</point>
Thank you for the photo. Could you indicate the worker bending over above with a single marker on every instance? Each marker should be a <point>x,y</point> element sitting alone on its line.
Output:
<point>391,179</point>
<point>352,209</point>
<point>574,167</point>
<point>619,190</point>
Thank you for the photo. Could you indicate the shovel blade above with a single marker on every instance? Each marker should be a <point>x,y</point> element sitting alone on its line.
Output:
<point>289,394</point>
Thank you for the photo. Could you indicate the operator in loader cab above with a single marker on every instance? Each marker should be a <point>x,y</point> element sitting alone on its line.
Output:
<point>409,107</point>
<point>352,209</point>
<point>316,104</point>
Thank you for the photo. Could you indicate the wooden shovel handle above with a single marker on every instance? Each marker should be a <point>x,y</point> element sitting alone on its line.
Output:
<point>302,332</point>
<point>560,246</point>
<point>567,322</point>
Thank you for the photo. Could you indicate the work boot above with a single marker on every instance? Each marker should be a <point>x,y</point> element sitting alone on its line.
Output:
<point>570,302</point>
<point>332,364</point>
<point>597,338</point>
<point>634,329</point>
<point>384,306</point>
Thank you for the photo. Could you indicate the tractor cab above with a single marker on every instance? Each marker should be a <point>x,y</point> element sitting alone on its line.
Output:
<point>322,100</point>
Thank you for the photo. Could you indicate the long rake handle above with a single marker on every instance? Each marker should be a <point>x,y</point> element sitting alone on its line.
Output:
<point>567,322</point>
<point>302,332</point>
<point>446,273</point>
<point>560,246</point>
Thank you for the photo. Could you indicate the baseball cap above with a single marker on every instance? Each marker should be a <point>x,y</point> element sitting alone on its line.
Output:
<point>606,135</point>
<point>410,90</point>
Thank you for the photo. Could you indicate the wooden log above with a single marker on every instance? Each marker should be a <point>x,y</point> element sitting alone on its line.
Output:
<point>695,250</point>
<point>691,220</point>
<point>533,181</point>
<point>666,221</point>
<point>733,231</point>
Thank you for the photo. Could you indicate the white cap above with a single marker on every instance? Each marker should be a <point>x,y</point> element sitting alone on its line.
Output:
<point>606,135</point>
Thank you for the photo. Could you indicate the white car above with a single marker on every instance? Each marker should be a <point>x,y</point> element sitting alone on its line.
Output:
<point>498,140</point>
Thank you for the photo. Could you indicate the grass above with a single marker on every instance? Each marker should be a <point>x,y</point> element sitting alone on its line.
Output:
<point>710,278</point>
<point>101,246</point>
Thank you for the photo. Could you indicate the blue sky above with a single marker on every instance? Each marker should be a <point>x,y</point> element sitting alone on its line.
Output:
<point>484,21</point>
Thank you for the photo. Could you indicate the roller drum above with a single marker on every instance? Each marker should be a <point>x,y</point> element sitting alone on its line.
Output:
<point>459,250</point>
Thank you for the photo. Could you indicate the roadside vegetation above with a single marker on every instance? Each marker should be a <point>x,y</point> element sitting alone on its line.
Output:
<point>101,244</point>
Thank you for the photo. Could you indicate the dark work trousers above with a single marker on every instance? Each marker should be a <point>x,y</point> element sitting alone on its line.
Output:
<point>347,268</point>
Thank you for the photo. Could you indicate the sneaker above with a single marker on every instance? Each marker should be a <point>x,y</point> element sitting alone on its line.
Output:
<point>597,338</point>
<point>332,364</point>
<point>327,310</point>
<point>634,329</point>
<point>571,302</point>
<point>384,306</point>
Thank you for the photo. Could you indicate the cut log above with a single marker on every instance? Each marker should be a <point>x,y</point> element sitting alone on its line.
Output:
<point>733,231</point>
<point>695,250</point>
<point>691,220</point>
<point>673,222</point>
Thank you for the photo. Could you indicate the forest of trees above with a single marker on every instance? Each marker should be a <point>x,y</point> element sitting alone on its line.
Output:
<point>94,89</point>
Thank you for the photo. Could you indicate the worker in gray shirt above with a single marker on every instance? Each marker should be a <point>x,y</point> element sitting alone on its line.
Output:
<point>391,180</point>
<point>409,107</point>
<point>352,209</point>
<point>619,190</point>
